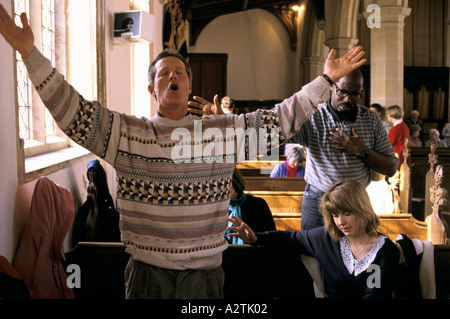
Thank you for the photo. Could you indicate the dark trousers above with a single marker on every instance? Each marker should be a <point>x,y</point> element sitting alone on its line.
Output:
<point>143,281</point>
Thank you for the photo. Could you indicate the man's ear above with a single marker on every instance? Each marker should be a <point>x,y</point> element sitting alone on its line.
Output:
<point>151,90</point>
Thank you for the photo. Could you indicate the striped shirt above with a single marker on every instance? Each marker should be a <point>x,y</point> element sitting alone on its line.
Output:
<point>326,165</point>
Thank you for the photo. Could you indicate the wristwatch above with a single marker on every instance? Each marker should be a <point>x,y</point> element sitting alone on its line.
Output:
<point>365,154</point>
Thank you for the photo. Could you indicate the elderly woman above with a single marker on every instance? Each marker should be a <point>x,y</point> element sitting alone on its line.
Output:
<point>292,167</point>
<point>357,262</point>
<point>434,137</point>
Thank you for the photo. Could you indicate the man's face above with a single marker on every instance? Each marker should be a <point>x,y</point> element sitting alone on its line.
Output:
<point>374,110</point>
<point>347,92</point>
<point>171,85</point>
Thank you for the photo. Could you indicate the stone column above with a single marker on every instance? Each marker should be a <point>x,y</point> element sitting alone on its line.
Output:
<point>387,51</point>
<point>312,67</point>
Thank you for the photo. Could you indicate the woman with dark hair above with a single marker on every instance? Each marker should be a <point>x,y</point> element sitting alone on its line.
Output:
<point>356,260</point>
<point>253,210</point>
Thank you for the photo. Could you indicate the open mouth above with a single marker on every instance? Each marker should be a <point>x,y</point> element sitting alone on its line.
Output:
<point>173,87</point>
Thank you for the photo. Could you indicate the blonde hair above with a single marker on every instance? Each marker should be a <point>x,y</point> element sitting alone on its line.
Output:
<point>347,197</point>
<point>395,112</point>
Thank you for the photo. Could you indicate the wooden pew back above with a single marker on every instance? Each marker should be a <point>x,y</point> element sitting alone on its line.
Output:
<point>275,184</point>
<point>285,196</point>
<point>102,267</point>
<point>250,272</point>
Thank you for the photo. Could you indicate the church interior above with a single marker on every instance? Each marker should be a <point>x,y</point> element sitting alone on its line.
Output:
<point>256,51</point>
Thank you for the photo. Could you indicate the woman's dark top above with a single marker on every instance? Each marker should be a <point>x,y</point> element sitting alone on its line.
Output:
<point>368,278</point>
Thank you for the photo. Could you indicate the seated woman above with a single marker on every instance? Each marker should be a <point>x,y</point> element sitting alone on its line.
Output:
<point>253,210</point>
<point>292,167</point>
<point>434,137</point>
<point>357,262</point>
<point>414,133</point>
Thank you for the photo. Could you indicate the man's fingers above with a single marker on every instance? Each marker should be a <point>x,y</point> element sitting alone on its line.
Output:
<point>332,54</point>
<point>194,104</point>
<point>201,100</point>
<point>343,133</point>
<point>355,55</point>
<point>359,56</point>
<point>24,20</point>
<point>353,52</point>
<point>359,63</point>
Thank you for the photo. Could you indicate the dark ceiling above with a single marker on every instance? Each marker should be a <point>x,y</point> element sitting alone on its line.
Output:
<point>201,12</point>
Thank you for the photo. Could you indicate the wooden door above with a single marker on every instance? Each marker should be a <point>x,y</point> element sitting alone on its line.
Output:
<point>210,75</point>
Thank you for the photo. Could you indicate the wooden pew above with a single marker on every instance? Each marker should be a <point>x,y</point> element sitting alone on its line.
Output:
<point>404,189</point>
<point>256,168</point>
<point>250,272</point>
<point>438,228</point>
<point>266,183</point>
<point>392,225</point>
<point>285,195</point>
<point>419,167</point>
<point>442,271</point>
<point>102,267</point>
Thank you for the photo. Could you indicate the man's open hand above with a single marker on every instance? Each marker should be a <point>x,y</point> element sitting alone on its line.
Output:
<point>20,38</point>
<point>337,68</point>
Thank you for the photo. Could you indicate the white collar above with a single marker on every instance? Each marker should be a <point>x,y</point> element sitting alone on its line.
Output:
<point>397,122</point>
<point>357,266</point>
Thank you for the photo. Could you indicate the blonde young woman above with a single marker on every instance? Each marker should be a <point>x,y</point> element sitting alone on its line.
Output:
<point>356,260</point>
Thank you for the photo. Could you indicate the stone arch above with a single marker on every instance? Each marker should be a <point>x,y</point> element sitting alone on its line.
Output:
<point>341,21</point>
<point>312,46</point>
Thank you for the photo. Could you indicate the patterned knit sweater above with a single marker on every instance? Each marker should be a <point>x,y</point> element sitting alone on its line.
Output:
<point>173,190</point>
